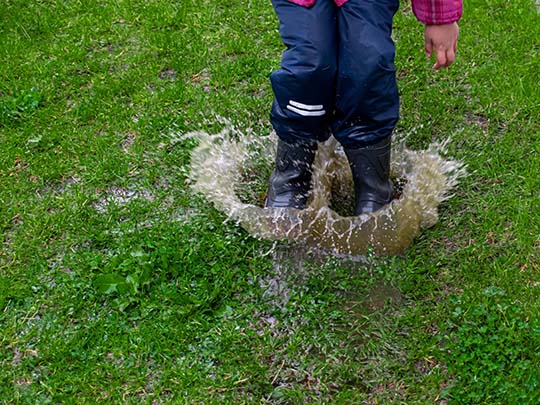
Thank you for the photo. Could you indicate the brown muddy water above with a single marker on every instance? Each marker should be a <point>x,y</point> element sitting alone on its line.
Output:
<point>231,169</point>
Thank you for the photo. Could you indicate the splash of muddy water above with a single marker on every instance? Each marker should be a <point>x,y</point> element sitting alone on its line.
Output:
<point>231,170</point>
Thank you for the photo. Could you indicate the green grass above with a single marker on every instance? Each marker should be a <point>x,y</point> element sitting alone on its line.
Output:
<point>118,284</point>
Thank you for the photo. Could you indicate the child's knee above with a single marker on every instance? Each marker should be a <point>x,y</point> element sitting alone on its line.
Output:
<point>312,64</point>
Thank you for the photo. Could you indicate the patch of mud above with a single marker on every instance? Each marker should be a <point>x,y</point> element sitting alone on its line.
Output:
<point>168,74</point>
<point>294,264</point>
<point>127,139</point>
<point>289,270</point>
<point>118,196</point>
<point>60,187</point>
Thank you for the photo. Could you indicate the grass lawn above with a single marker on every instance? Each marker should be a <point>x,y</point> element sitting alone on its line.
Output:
<point>119,284</point>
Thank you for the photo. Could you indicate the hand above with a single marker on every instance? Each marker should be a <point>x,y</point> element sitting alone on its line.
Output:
<point>443,40</point>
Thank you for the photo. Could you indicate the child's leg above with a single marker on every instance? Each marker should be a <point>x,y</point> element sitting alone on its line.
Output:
<point>304,96</point>
<point>367,101</point>
<point>304,86</point>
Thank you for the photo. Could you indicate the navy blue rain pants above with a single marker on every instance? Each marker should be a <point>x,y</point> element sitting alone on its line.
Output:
<point>337,72</point>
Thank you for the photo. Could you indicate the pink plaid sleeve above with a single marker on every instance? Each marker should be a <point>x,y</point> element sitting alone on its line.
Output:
<point>437,12</point>
<point>305,3</point>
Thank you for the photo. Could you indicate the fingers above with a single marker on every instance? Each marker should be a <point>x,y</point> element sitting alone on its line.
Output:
<point>440,59</point>
<point>450,56</point>
<point>429,48</point>
<point>445,57</point>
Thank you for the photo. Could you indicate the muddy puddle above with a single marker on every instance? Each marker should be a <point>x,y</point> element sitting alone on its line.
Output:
<point>231,169</point>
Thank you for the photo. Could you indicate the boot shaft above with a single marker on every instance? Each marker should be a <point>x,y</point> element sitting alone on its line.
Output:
<point>290,181</point>
<point>370,168</point>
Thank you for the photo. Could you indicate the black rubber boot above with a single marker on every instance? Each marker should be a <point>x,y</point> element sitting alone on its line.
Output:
<point>290,181</point>
<point>370,168</point>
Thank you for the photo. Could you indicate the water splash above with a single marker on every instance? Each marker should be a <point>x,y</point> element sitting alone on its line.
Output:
<point>231,169</point>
